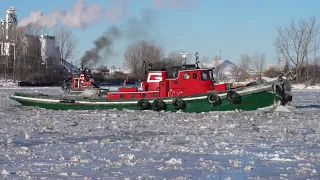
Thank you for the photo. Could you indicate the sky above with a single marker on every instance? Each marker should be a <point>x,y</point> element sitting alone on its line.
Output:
<point>235,26</point>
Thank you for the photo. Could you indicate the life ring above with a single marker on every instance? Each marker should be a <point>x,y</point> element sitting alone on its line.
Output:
<point>178,104</point>
<point>233,97</point>
<point>158,105</point>
<point>67,101</point>
<point>143,104</point>
<point>214,99</point>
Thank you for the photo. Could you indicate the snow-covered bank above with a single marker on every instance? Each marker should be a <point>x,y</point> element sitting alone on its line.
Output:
<point>8,83</point>
<point>304,86</point>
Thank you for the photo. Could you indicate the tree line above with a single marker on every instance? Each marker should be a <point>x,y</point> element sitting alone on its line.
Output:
<point>24,61</point>
<point>139,55</point>
<point>296,45</point>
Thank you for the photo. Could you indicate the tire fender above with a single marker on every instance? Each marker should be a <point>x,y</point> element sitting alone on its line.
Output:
<point>233,97</point>
<point>178,104</point>
<point>67,101</point>
<point>143,104</point>
<point>159,105</point>
<point>277,88</point>
<point>214,99</point>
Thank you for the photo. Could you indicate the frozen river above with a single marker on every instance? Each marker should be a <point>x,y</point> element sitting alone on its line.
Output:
<point>48,144</point>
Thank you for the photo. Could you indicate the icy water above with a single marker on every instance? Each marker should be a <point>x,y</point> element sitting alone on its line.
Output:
<point>47,144</point>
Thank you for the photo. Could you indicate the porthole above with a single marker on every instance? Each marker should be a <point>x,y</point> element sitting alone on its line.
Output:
<point>194,75</point>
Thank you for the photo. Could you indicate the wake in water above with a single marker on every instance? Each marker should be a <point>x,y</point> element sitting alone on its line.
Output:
<point>90,93</point>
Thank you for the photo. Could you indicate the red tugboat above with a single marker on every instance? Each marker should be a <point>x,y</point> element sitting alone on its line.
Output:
<point>189,89</point>
<point>79,82</point>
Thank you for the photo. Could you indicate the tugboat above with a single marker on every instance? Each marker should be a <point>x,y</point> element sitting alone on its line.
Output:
<point>81,81</point>
<point>191,89</point>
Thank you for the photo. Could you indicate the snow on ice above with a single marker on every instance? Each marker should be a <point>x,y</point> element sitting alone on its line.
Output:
<point>47,144</point>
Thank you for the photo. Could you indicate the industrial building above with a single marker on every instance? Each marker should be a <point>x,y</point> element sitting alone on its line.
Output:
<point>7,39</point>
<point>17,53</point>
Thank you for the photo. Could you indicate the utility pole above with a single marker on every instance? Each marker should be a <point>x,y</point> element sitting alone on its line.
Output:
<point>220,55</point>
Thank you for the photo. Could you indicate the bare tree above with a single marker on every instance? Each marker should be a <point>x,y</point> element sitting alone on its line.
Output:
<point>205,60</point>
<point>259,62</point>
<point>272,72</point>
<point>66,43</point>
<point>27,61</point>
<point>315,58</point>
<point>218,72</point>
<point>175,59</point>
<point>235,72</point>
<point>142,53</point>
<point>245,62</point>
<point>295,41</point>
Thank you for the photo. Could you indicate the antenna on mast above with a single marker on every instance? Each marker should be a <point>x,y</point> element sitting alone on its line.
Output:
<point>197,61</point>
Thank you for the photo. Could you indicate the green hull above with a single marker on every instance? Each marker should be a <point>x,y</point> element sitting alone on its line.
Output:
<point>196,103</point>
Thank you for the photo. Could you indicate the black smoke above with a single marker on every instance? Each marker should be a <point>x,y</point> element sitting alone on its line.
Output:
<point>134,29</point>
<point>103,46</point>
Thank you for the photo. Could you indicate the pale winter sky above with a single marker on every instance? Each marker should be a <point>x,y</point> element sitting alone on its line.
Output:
<point>234,26</point>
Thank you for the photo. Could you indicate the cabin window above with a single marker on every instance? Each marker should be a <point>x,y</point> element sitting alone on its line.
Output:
<point>186,76</point>
<point>194,75</point>
<point>204,75</point>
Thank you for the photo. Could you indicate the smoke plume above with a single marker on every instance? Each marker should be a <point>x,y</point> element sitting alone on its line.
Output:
<point>81,15</point>
<point>103,45</point>
<point>135,28</point>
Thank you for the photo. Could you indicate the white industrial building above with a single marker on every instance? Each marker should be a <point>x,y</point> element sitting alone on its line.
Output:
<point>8,30</point>
<point>49,50</point>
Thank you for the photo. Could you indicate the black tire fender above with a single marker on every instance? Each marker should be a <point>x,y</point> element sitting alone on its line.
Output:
<point>233,97</point>
<point>277,88</point>
<point>214,99</point>
<point>285,98</point>
<point>143,104</point>
<point>67,101</point>
<point>159,105</point>
<point>178,104</point>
